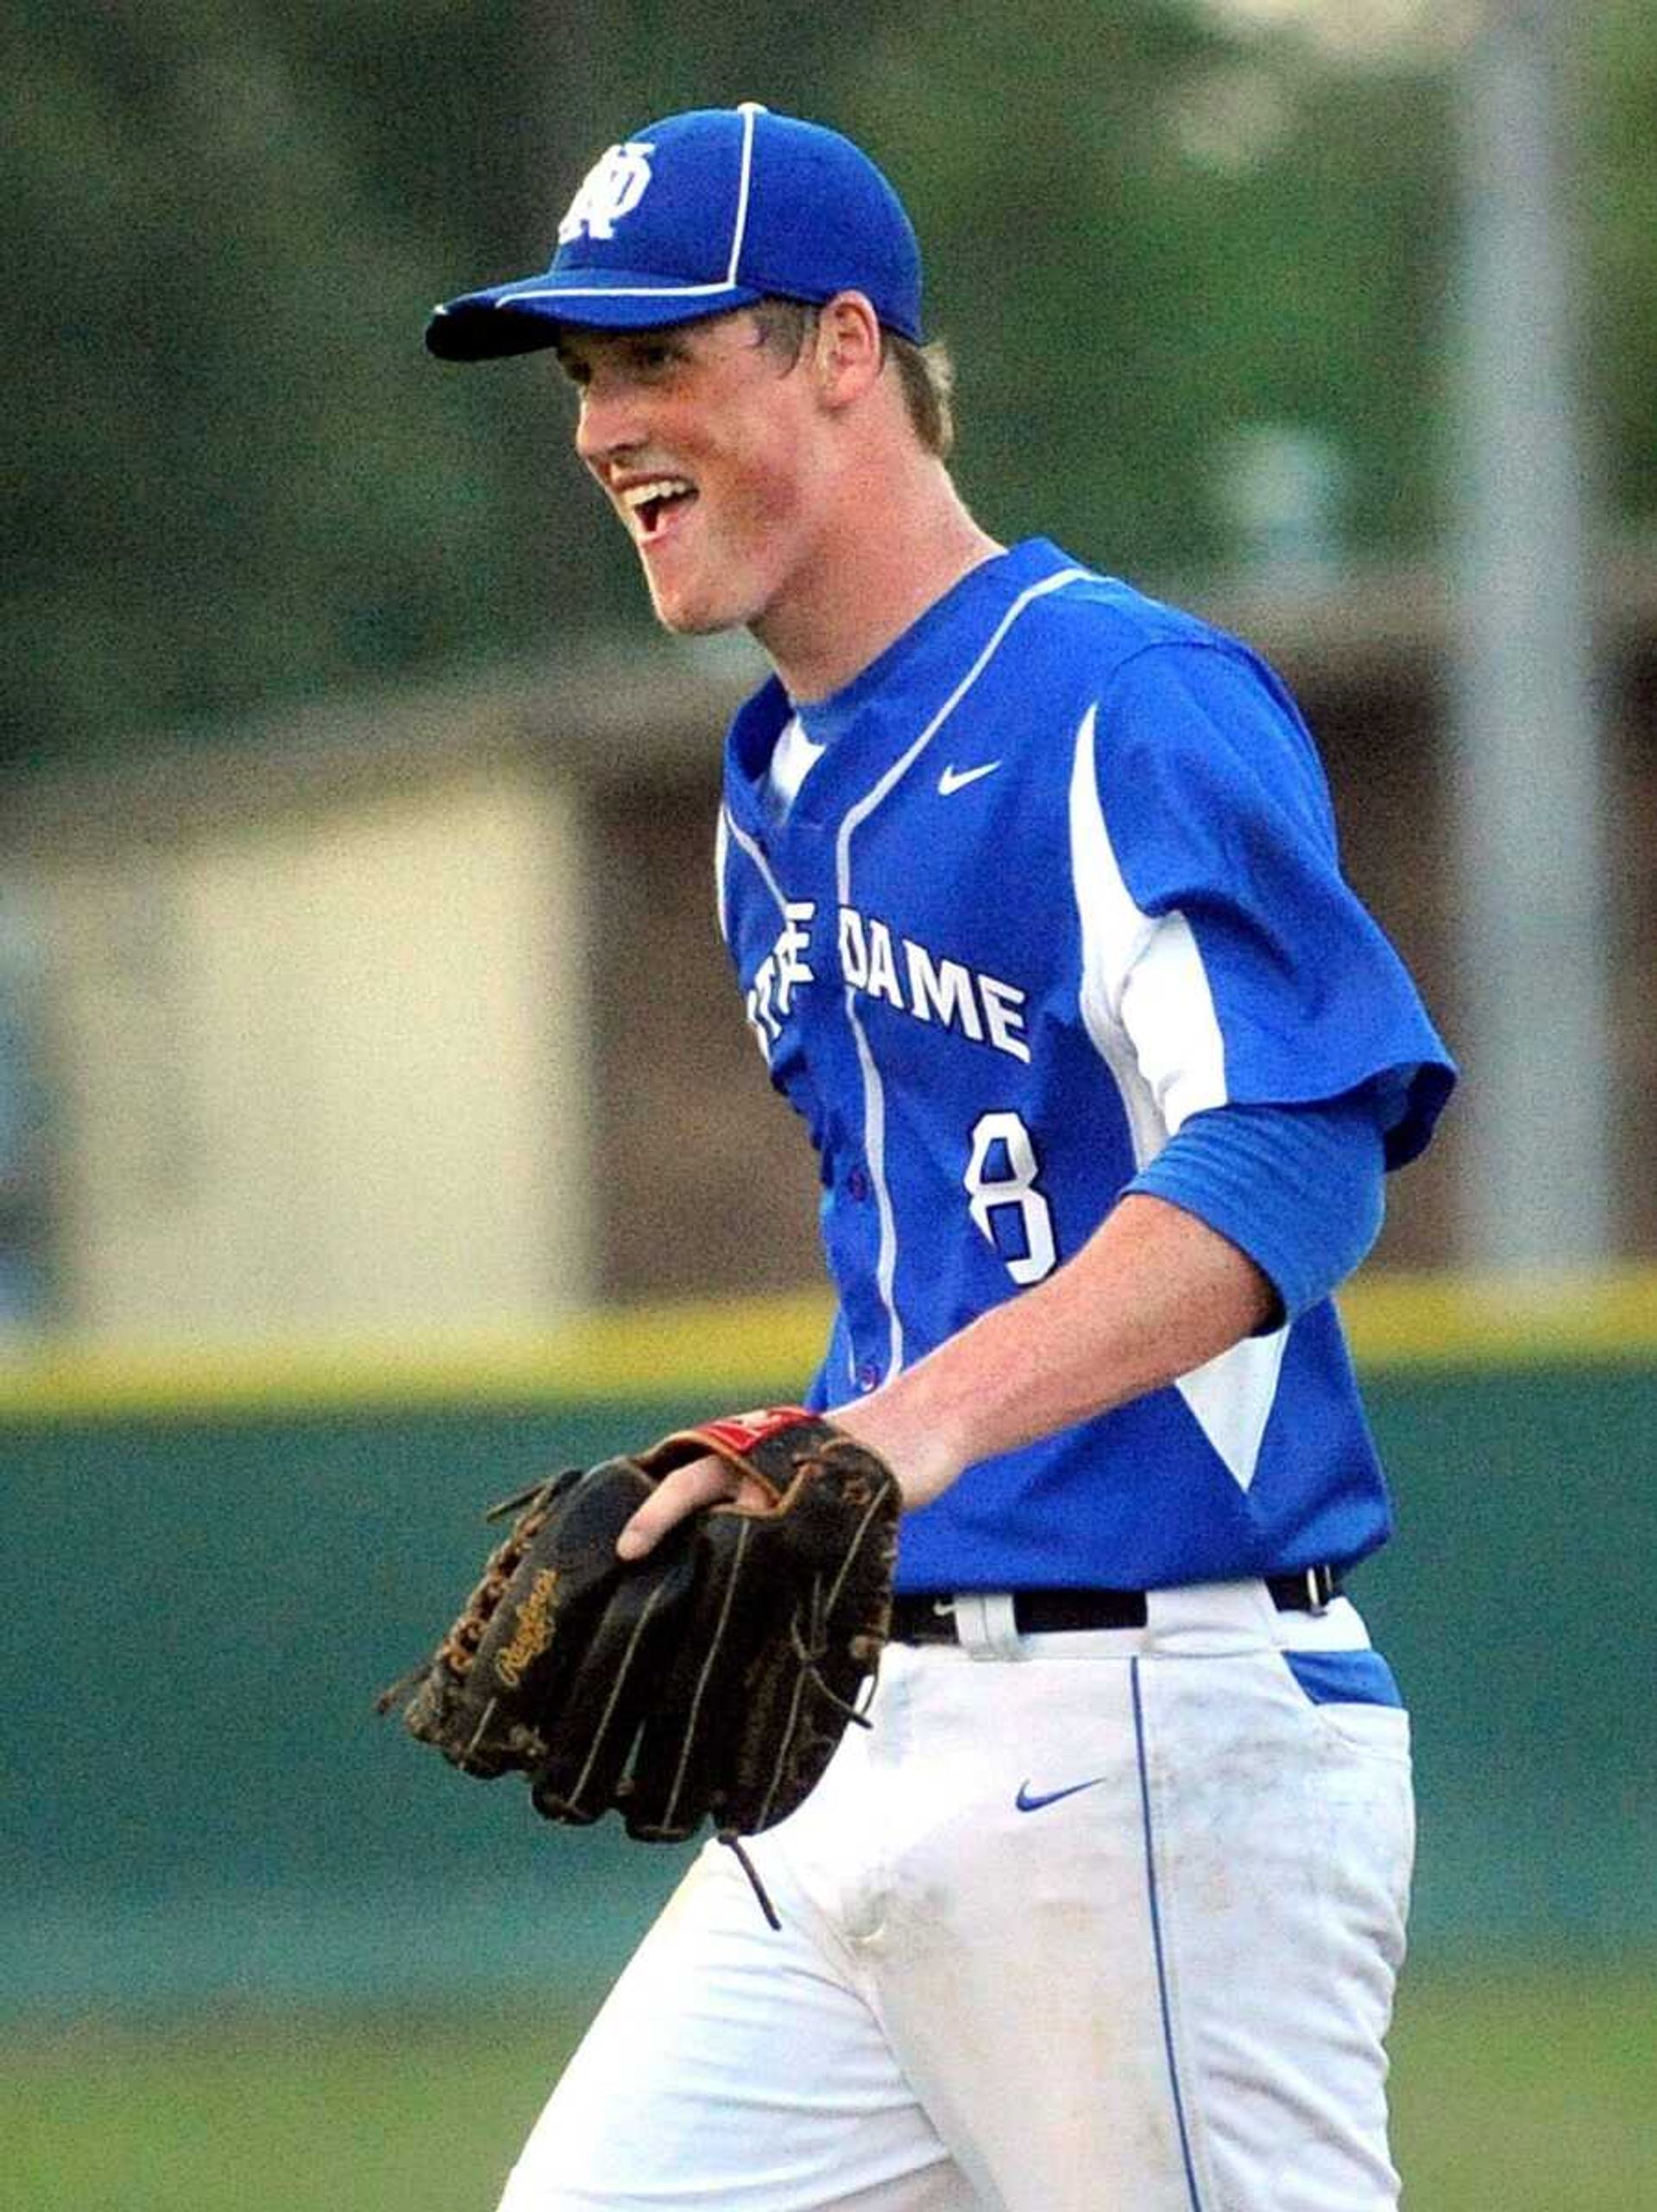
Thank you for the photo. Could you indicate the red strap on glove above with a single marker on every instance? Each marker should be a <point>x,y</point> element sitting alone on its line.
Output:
<point>742,1433</point>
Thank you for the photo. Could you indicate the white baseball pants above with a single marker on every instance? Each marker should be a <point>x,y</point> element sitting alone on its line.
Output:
<point>1105,1922</point>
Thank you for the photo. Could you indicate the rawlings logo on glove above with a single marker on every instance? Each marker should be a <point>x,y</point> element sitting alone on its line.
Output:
<point>713,1679</point>
<point>534,1632</point>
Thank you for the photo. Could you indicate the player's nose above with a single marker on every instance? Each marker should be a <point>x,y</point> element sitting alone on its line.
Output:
<point>608,423</point>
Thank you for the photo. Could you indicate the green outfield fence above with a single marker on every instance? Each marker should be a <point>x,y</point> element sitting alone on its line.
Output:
<point>214,1560</point>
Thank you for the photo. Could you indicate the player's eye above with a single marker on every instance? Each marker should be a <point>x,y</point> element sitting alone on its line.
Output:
<point>654,356</point>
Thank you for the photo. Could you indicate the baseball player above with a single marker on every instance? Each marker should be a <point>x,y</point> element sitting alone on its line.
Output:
<point>1032,887</point>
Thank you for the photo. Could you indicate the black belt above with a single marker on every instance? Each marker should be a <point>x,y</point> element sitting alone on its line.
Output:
<point>924,1616</point>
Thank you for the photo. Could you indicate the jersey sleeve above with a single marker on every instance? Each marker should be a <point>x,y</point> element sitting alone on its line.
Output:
<point>1299,1188</point>
<point>1223,948</point>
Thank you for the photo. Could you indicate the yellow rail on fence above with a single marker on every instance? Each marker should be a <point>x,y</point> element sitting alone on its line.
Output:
<point>714,1352</point>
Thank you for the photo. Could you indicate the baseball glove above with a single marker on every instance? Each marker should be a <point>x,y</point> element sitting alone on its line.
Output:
<point>711,1680</point>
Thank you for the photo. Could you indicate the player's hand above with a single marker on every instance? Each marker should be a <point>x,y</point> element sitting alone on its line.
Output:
<point>707,1481</point>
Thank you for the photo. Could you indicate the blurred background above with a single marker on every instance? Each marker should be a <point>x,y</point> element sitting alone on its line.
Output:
<point>378,1123</point>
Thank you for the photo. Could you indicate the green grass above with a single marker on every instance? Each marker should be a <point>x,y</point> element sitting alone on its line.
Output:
<point>1515,2091</point>
<point>274,2113</point>
<point>1528,2089</point>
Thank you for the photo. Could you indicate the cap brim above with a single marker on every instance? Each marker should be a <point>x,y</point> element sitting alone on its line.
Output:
<point>527,315</point>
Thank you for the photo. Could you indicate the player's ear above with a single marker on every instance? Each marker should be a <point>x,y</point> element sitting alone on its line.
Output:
<point>848,350</point>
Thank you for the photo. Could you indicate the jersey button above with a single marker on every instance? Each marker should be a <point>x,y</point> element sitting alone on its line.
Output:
<point>867,1376</point>
<point>857,1185</point>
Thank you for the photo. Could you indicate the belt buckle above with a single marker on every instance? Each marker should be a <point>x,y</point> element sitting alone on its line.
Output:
<point>1320,1589</point>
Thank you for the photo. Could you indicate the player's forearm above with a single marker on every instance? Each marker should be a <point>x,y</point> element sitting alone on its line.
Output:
<point>1152,1295</point>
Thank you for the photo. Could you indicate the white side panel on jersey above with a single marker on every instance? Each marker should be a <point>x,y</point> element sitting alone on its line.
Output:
<point>722,854</point>
<point>1144,988</point>
<point>874,1098</point>
<point>1232,1397</point>
<point>1114,934</point>
<point>1148,1007</point>
<point>1168,1012</point>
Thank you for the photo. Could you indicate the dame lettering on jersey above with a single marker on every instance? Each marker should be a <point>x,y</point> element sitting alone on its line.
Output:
<point>904,974</point>
<point>916,981</point>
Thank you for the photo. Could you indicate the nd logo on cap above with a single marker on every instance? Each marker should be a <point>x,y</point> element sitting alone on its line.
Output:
<point>745,205</point>
<point>613,188</point>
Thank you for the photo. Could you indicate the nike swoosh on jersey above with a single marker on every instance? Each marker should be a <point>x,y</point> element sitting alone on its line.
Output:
<point>956,779</point>
<point>1027,1802</point>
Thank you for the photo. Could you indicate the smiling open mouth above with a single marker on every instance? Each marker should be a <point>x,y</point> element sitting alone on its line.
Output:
<point>651,504</point>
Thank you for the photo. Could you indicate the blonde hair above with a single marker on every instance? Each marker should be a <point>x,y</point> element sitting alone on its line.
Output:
<point>925,372</point>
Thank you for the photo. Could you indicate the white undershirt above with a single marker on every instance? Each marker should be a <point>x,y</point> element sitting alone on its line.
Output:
<point>791,761</point>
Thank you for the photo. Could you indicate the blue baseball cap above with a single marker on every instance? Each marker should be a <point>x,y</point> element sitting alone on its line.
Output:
<point>696,215</point>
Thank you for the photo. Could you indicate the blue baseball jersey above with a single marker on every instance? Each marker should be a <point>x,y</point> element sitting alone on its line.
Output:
<point>1064,872</point>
